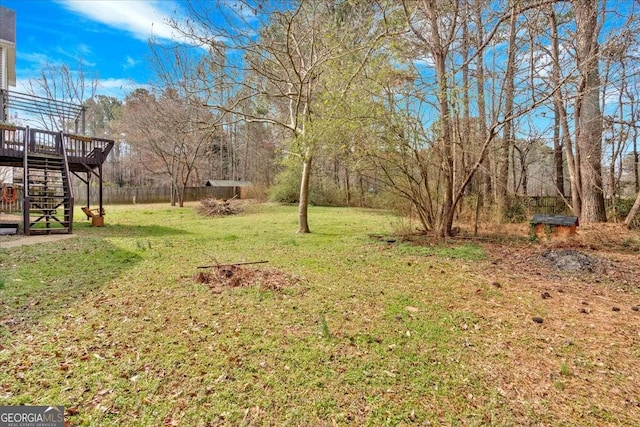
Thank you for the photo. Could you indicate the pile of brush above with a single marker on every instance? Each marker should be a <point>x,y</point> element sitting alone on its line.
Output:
<point>218,207</point>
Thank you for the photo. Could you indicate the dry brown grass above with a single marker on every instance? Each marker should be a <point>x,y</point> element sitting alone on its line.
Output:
<point>581,361</point>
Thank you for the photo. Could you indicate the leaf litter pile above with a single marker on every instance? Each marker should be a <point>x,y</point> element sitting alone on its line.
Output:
<point>221,277</point>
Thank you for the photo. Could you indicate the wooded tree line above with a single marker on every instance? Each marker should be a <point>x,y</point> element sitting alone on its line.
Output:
<point>432,101</point>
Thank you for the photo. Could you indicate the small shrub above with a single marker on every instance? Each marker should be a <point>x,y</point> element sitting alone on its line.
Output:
<point>286,188</point>
<point>518,211</point>
<point>327,194</point>
<point>618,209</point>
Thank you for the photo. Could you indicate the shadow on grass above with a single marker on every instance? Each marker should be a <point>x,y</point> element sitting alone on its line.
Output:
<point>37,281</point>
<point>123,230</point>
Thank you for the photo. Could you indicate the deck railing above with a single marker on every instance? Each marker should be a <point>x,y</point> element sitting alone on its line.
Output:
<point>14,141</point>
<point>12,138</point>
<point>86,147</point>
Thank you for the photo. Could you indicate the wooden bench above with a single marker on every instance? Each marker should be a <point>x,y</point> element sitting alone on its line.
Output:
<point>95,215</point>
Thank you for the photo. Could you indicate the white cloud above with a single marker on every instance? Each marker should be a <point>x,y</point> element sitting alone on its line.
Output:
<point>130,63</point>
<point>425,60</point>
<point>143,19</point>
<point>77,53</point>
<point>118,88</point>
<point>33,58</point>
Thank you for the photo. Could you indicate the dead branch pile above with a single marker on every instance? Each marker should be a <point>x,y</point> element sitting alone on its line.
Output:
<point>232,276</point>
<point>218,207</point>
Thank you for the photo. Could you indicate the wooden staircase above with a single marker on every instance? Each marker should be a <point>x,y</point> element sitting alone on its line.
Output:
<point>48,203</point>
<point>48,160</point>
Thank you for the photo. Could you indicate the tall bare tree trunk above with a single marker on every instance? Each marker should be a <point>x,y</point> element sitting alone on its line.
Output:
<point>438,51</point>
<point>557,103</point>
<point>557,152</point>
<point>588,113</point>
<point>465,136</point>
<point>559,107</point>
<point>502,190</point>
<point>482,114</point>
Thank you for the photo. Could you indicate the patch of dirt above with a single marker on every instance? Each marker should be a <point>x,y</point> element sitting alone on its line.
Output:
<point>5,217</point>
<point>7,242</point>
<point>571,260</point>
<point>591,257</point>
<point>224,277</point>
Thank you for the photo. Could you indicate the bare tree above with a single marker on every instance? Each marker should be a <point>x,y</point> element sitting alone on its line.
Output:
<point>561,135</point>
<point>58,86</point>
<point>166,135</point>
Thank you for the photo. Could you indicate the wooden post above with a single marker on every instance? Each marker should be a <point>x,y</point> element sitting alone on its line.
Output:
<point>89,189</point>
<point>100,188</point>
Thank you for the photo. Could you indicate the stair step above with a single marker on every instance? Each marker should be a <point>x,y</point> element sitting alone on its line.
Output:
<point>45,167</point>
<point>45,231</point>
<point>44,156</point>
<point>41,172</point>
<point>51,193</point>
<point>47,184</point>
<point>43,193</point>
<point>43,183</point>
<point>45,162</point>
<point>40,165</point>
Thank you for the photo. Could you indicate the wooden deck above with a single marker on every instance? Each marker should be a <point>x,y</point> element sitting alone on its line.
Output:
<point>83,153</point>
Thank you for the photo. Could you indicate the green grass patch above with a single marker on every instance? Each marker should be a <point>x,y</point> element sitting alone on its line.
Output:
<point>467,251</point>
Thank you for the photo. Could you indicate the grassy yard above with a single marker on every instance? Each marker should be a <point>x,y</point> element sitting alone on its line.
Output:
<point>367,331</point>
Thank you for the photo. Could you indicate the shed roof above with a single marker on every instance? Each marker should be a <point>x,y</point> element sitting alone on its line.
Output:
<point>226,183</point>
<point>563,220</point>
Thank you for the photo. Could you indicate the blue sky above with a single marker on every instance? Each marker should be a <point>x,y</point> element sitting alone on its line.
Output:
<point>110,36</point>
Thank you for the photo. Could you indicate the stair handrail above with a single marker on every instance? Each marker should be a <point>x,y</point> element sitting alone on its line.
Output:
<point>25,164</point>
<point>26,199</point>
<point>69,187</point>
